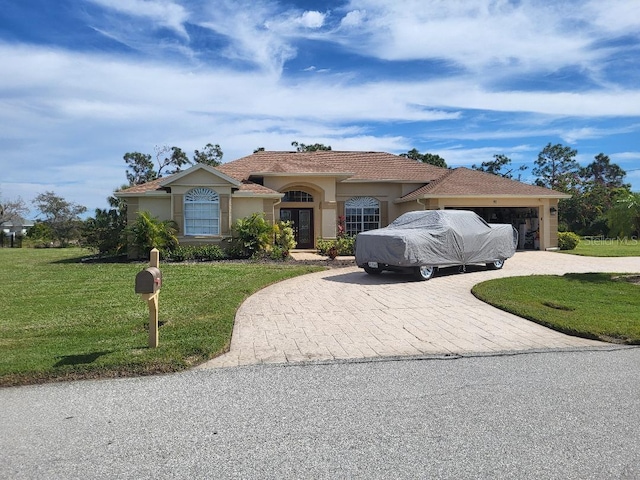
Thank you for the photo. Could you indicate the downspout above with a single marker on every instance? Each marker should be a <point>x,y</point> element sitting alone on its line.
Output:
<point>424,206</point>
<point>273,209</point>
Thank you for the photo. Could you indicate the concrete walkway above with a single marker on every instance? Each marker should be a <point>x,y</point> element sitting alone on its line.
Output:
<point>347,314</point>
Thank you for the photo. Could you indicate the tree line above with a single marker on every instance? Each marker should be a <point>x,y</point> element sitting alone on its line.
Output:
<point>601,202</point>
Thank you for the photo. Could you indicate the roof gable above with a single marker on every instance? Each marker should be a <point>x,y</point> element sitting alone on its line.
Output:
<point>198,167</point>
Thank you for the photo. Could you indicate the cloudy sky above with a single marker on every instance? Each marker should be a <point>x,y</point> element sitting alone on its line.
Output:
<point>85,81</point>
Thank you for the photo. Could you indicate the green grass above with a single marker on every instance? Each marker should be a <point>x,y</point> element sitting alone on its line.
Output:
<point>63,319</point>
<point>606,248</point>
<point>601,306</point>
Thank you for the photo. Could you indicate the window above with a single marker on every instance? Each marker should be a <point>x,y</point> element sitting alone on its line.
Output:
<point>201,212</point>
<point>297,196</point>
<point>361,214</point>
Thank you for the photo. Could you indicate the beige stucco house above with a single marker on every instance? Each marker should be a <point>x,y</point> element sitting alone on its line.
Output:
<point>316,189</point>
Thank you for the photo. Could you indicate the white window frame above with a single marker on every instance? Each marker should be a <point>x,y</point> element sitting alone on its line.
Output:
<point>201,212</point>
<point>361,214</point>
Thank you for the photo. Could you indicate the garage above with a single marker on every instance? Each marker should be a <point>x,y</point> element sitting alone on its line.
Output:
<point>526,220</point>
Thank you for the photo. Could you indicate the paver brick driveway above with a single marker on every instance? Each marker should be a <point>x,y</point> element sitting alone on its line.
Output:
<point>347,314</point>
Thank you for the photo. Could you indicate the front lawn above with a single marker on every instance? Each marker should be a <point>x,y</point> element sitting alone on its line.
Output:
<point>601,306</point>
<point>606,247</point>
<point>64,319</point>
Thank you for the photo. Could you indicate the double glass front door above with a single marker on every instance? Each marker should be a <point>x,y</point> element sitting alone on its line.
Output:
<point>302,219</point>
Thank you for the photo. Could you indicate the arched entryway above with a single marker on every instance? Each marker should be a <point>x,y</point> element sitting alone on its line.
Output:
<point>297,207</point>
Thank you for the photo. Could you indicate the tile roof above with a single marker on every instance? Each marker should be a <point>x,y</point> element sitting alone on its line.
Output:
<point>145,187</point>
<point>466,182</point>
<point>359,166</point>
<point>245,187</point>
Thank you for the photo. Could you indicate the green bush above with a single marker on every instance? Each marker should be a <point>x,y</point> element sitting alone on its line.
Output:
<point>568,240</point>
<point>252,235</point>
<point>284,237</point>
<point>149,232</point>
<point>200,253</point>
<point>343,245</point>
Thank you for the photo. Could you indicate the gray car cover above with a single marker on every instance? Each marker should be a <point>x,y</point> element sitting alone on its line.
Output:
<point>436,238</point>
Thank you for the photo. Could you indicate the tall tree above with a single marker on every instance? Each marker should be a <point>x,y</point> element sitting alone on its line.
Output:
<point>301,147</point>
<point>599,184</point>
<point>170,157</point>
<point>210,155</point>
<point>61,216</point>
<point>624,217</point>
<point>139,168</point>
<point>496,165</point>
<point>556,167</point>
<point>12,211</point>
<point>430,158</point>
<point>603,173</point>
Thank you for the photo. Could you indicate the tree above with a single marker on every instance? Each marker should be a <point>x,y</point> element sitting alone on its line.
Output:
<point>41,234</point>
<point>624,216</point>
<point>301,147</point>
<point>496,165</point>
<point>61,216</point>
<point>430,158</point>
<point>177,159</point>
<point>556,168</point>
<point>105,233</point>
<point>210,155</point>
<point>139,168</point>
<point>599,183</point>
<point>603,173</point>
<point>259,149</point>
<point>12,211</point>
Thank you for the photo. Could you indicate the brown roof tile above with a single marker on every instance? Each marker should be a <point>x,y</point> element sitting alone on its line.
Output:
<point>366,166</point>
<point>361,166</point>
<point>245,186</point>
<point>145,187</point>
<point>255,188</point>
<point>466,182</point>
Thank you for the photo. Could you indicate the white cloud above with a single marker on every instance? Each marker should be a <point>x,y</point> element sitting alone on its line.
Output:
<point>86,110</point>
<point>494,37</point>
<point>166,13</point>
<point>353,18</point>
<point>311,19</point>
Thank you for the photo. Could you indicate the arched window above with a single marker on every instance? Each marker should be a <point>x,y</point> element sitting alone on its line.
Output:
<point>297,196</point>
<point>361,214</point>
<point>201,212</point>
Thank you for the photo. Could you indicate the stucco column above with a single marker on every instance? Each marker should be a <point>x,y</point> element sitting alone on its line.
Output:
<point>329,219</point>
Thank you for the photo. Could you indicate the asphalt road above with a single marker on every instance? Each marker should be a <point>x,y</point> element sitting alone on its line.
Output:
<point>545,415</point>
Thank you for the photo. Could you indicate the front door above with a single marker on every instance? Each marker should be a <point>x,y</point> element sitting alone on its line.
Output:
<point>302,220</point>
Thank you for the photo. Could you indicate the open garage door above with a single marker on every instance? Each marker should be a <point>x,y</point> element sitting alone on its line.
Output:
<point>524,219</point>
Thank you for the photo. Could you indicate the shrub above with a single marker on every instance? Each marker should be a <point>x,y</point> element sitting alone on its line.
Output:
<point>284,237</point>
<point>255,238</point>
<point>252,235</point>
<point>568,240</point>
<point>343,246</point>
<point>201,253</point>
<point>148,232</point>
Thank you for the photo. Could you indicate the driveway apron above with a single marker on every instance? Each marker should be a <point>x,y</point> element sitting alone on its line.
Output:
<point>347,314</point>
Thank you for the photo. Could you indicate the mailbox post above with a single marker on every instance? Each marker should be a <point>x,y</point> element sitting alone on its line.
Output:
<point>148,283</point>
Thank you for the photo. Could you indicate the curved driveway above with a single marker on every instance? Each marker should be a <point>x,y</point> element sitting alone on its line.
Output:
<point>347,314</point>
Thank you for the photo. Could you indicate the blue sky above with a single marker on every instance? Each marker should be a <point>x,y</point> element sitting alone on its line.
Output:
<point>85,81</point>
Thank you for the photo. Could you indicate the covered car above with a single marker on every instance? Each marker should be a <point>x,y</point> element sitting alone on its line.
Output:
<point>420,242</point>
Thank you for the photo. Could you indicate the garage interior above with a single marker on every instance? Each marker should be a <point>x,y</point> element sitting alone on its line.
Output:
<point>524,219</point>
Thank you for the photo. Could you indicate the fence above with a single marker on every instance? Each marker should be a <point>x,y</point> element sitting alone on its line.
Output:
<point>10,240</point>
